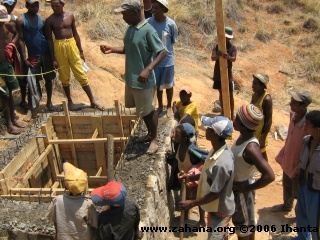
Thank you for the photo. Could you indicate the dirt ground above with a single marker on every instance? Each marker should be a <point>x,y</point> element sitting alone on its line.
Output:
<point>106,81</point>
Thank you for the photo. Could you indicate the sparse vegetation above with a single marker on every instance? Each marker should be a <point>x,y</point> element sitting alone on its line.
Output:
<point>274,9</point>
<point>262,36</point>
<point>311,24</point>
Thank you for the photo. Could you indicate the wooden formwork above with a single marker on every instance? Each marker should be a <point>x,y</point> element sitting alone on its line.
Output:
<point>92,143</point>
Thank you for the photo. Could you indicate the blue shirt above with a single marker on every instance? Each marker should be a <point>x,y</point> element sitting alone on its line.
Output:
<point>35,41</point>
<point>168,33</point>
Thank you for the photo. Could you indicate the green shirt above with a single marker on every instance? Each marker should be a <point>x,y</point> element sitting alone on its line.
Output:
<point>140,42</point>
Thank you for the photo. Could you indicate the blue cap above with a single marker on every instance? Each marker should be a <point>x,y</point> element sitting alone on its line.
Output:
<point>189,129</point>
<point>221,125</point>
<point>9,2</point>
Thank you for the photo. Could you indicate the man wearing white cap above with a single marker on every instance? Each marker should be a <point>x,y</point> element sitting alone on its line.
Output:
<point>214,193</point>
<point>141,41</point>
<point>167,30</point>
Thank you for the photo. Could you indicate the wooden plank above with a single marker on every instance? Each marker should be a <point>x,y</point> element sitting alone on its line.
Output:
<point>41,158</point>
<point>89,140</point>
<point>90,178</point>
<point>52,161</point>
<point>99,147</point>
<point>3,184</point>
<point>70,134</point>
<point>99,172</point>
<point>223,62</point>
<point>95,134</point>
<point>110,157</point>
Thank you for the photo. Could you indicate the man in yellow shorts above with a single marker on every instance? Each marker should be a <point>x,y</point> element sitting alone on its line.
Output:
<point>66,51</point>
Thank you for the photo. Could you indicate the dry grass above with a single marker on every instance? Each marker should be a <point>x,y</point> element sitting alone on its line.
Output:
<point>274,9</point>
<point>262,36</point>
<point>312,5</point>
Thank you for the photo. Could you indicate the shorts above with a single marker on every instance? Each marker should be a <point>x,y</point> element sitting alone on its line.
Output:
<point>218,223</point>
<point>7,83</point>
<point>144,100</point>
<point>164,77</point>
<point>67,56</point>
<point>217,85</point>
<point>244,212</point>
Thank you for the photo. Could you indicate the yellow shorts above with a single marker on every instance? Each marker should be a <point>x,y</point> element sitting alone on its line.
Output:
<point>144,100</point>
<point>67,56</point>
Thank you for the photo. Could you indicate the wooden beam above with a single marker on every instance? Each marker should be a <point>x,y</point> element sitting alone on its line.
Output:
<point>40,159</point>
<point>223,62</point>
<point>110,157</point>
<point>99,147</point>
<point>90,178</point>
<point>69,132</point>
<point>99,172</point>
<point>95,134</point>
<point>86,140</point>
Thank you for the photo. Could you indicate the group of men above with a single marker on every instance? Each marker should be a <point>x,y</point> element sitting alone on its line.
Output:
<point>42,57</point>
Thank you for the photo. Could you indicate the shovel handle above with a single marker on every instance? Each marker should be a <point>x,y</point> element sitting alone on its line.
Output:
<point>183,196</point>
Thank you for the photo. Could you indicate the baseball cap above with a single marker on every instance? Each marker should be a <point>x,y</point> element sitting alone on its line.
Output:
<point>302,95</point>
<point>75,179</point>
<point>187,89</point>
<point>110,194</point>
<point>129,5</point>
<point>228,32</point>
<point>189,129</point>
<point>9,2</point>
<point>4,16</point>
<point>221,125</point>
<point>262,77</point>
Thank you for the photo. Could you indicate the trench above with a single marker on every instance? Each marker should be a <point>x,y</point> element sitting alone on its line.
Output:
<point>26,194</point>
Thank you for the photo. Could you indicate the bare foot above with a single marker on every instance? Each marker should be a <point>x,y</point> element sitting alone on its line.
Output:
<point>50,107</point>
<point>14,130</point>
<point>97,106</point>
<point>28,117</point>
<point>153,148</point>
<point>74,107</point>
<point>18,124</point>
<point>169,112</point>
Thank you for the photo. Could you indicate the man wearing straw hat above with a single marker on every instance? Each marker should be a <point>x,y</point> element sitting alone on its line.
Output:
<point>73,213</point>
<point>8,82</point>
<point>247,160</point>
<point>231,56</point>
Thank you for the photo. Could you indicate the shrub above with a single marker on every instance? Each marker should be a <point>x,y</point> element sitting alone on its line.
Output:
<point>274,9</point>
<point>311,24</point>
<point>262,36</point>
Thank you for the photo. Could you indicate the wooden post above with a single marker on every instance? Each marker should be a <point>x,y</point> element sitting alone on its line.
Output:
<point>69,132</point>
<point>142,9</point>
<point>183,197</point>
<point>223,62</point>
<point>110,157</point>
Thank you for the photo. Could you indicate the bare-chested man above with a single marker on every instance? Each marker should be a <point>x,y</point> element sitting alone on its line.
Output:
<point>66,51</point>
<point>8,82</point>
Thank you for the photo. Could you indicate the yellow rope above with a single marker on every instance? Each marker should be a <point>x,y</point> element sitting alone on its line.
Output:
<point>36,74</point>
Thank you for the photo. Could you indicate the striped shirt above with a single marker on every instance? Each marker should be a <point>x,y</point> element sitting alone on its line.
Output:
<point>289,155</point>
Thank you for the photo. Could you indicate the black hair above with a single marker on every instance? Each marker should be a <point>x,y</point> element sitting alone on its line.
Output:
<point>314,118</point>
<point>188,119</point>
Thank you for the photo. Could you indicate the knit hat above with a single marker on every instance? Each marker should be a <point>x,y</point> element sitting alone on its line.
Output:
<point>189,129</point>
<point>228,32</point>
<point>250,116</point>
<point>75,179</point>
<point>4,16</point>
<point>221,125</point>
<point>129,5</point>
<point>110,194</point>
<point>302,95</point>
<point>262,77</point>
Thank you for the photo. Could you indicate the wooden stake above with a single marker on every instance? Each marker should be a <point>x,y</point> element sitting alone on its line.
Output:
<point>223,62</point>
<point>110,157</point>
<point>183,196</point>
<point>69,132</point>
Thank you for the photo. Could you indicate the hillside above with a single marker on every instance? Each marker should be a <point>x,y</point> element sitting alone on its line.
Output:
<point>278,37</point>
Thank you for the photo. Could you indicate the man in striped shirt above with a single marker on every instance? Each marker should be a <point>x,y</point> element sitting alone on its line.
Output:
<point>289,155</point>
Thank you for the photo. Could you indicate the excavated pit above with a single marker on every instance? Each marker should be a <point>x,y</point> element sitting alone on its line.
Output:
<point>31,169</point>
